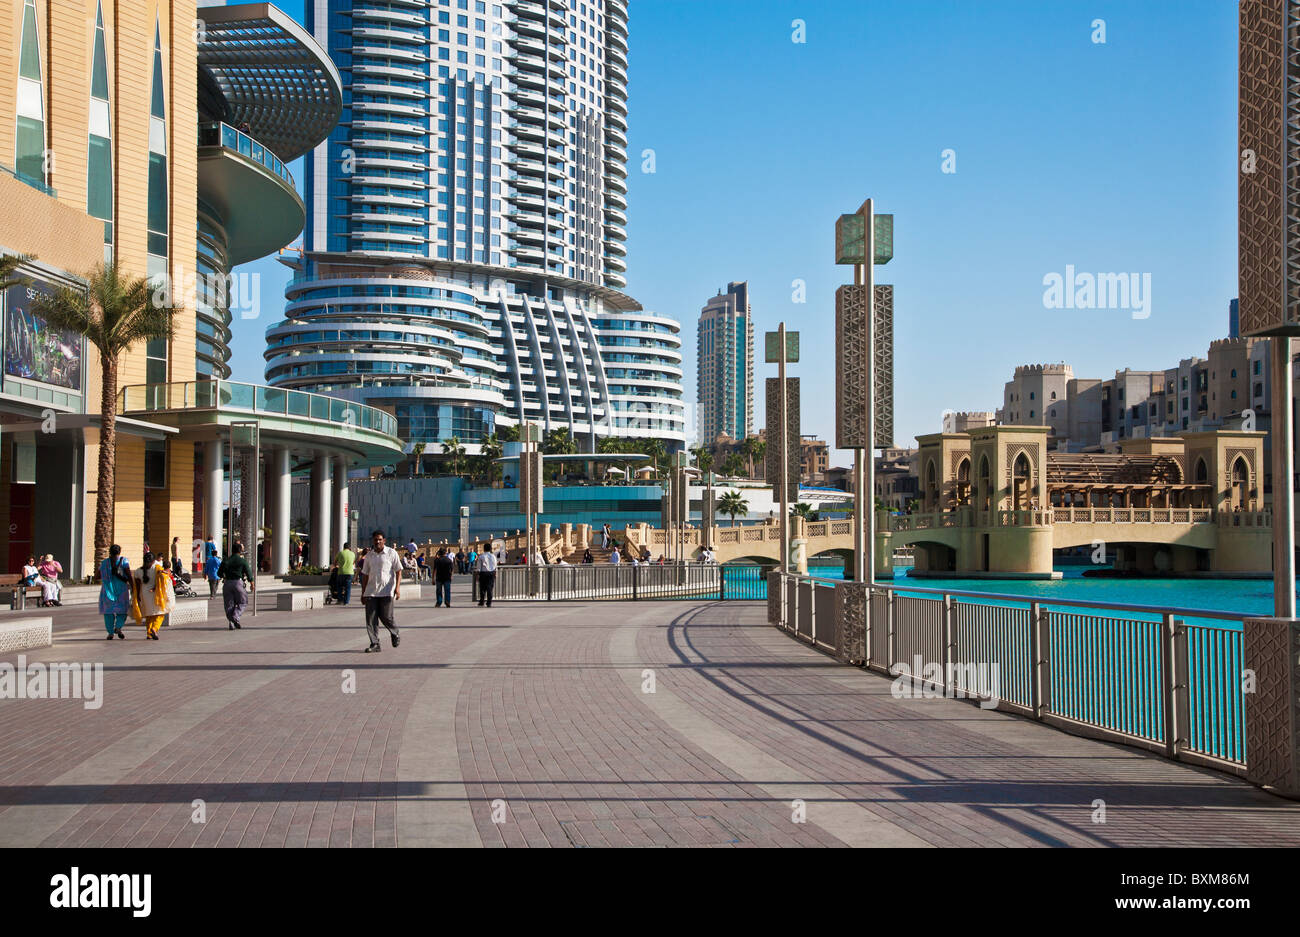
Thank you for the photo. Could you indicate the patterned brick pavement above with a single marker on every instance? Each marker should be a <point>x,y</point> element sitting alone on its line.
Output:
<point>531,725</point>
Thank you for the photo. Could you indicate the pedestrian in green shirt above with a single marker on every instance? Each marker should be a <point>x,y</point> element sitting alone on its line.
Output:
<point>345,565</point>
<point>234,570</point>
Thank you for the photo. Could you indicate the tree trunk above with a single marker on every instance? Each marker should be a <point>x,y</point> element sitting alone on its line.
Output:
<point>105,497</point>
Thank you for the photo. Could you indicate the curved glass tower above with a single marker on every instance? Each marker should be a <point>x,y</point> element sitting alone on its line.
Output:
<point>464,254</point>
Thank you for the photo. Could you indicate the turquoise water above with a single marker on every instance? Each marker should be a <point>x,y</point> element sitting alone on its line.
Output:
<point>1241,596</point>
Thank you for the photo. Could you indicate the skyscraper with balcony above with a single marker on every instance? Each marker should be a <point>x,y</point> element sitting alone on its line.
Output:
<point>464,249</point>
<point>725,343</point>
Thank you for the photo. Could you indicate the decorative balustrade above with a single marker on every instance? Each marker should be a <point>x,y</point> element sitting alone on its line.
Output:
<point>1144,676</point>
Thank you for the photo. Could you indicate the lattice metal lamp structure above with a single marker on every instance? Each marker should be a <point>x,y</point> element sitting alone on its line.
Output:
<point>864,361</point>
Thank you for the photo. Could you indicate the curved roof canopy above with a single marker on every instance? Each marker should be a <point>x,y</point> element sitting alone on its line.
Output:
<point>273,74</point>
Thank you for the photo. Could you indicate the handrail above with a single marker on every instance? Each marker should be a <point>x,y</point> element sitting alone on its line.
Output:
<point>230,138</point>
<point>1046,600</point>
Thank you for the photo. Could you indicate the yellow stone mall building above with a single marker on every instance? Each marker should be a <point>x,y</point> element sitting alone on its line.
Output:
<point>158,135</point>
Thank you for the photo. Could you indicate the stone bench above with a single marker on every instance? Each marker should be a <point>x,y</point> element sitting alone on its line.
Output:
<point>299,600</point>
<point>187,611</point>
<point>25,634</point>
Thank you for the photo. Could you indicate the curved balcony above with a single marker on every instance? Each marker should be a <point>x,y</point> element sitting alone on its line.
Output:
<point>252,190</point>
<point>615,263</point>
<point>370,432</point>
<point>615,280</point>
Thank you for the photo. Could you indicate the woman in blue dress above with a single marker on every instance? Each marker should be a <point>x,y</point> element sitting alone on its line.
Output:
<point>114,591</point>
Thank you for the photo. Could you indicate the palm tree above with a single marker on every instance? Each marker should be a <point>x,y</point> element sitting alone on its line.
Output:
<point>559,442</point>
<point>804,510</point>
<point>490,451</point>
<point>733,465</point>
<point>507,434</point>
<point>9,275</point>
<point>757,449</point>
<point>732,503</point>
<point>654,448</point>
<point>418,452</point>
<point>703,458</point>
<point>452,447</point>
<point>747,449</point>
<point>114,312</point>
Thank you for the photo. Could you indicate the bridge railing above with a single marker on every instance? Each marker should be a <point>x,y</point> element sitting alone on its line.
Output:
<point>623,581</point>
<point>1164,679</point>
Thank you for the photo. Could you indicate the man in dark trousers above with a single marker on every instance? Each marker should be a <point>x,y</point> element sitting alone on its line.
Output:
<point>487,574</point>
<point>381,585</point>
<point>442,570</point>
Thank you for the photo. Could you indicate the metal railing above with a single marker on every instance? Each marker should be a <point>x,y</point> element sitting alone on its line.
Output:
<point>1164,679</point>
<point>624,581</point>
<point>224,135</point>
<point>254,398</point>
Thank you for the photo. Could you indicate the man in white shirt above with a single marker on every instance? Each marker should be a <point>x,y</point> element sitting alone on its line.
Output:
<point>487,574</point>
<point>381,585</point>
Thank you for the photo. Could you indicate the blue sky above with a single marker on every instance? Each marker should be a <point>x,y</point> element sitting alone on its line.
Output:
<point>1115,157</point>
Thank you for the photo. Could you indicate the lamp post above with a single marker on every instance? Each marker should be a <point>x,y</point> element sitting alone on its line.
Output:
<point>782,347</point>
<point>864,413</point>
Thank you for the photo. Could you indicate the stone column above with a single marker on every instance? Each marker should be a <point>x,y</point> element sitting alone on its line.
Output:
<point>282,485</point>
<point>214,477</point>
<point>1271,655</point>
<point>340,509</point>
<point>322,485</point>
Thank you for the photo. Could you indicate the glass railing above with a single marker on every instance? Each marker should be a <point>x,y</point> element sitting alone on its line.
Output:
<point>226,136</point>
<point>254,398</point>
<point>32,181</point>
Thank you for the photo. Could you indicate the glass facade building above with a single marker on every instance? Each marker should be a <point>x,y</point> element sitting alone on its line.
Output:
<point>725,349</point>
<point>464,249</point>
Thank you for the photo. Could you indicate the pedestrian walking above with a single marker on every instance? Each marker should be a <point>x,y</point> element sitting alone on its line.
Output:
<point>212,568</point>
<point>234,571</point>
<point>381,586</point>
<point>487,574</point>
<point>154,595</point>
<point>176,557</point>
<point>442,567</point>
<point>114,591</point>
<point>346,564</point>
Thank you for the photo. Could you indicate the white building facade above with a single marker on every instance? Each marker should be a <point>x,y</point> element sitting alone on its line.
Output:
<point>464,253</point>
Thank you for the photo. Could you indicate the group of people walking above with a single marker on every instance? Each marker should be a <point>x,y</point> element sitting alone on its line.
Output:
<point>147,594</point>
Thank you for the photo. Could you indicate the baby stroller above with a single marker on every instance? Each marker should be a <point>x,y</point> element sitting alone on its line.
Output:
<point>335,594</point>
<point>183,588</point>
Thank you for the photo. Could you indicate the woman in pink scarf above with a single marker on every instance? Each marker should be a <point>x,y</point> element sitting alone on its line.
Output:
<point>50,570</point>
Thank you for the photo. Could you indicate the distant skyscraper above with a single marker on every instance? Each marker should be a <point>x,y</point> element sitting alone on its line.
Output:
<point>1234,322</point>
<point>726,365</point>
<point>464,249</point>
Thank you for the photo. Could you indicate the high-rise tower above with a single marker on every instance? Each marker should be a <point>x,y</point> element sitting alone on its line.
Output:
<point>725,343</point>
<point>464,254</point>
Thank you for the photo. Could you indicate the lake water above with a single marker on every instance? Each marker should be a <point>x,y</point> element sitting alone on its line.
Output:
<point>1243,596</point>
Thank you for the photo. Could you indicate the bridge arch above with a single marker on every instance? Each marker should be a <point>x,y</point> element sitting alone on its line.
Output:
<point>1022,481</point>
<point>985,495</point>
<point>962,494</point>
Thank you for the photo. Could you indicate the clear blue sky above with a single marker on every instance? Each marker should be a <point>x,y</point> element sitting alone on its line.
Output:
<point>1114,157</point>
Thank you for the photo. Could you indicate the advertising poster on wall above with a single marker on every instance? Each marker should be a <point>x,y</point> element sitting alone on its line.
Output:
<point>33,350</point>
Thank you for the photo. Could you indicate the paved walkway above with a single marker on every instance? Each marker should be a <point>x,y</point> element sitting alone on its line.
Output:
<point>536,716</point>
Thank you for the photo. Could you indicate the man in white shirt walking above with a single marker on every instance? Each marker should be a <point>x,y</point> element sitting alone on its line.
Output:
<point>381,585</point>
<point>487,574</point>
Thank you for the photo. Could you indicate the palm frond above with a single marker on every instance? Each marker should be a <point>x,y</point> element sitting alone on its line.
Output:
<point>9,275</point>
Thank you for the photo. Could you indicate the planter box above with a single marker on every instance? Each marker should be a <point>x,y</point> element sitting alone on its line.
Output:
<point>322,579</point>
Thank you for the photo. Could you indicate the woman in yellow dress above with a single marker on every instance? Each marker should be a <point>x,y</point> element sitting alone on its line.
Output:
<point>154,595</point>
